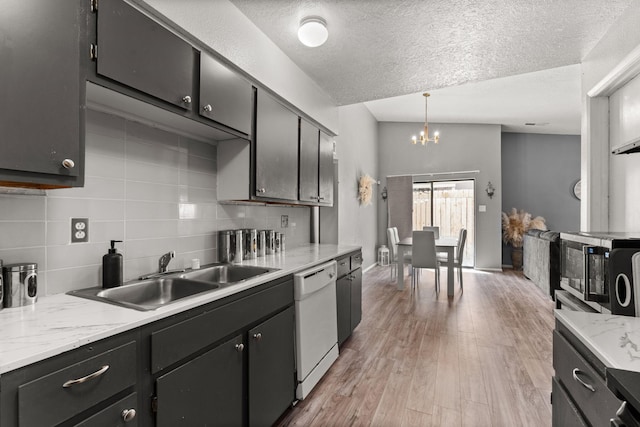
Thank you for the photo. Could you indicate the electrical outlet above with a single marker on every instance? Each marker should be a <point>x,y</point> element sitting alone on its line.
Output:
<point>284,221</point>
<point>79,230</point>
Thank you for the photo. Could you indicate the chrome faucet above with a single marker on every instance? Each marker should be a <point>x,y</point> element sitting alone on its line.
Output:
<point>164,260</point>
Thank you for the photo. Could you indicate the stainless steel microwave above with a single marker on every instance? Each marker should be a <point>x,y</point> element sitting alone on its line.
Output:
<point>585,264</point>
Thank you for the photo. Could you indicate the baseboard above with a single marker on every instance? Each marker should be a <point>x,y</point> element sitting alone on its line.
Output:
<point>370,267</point>
<point>497,269</point>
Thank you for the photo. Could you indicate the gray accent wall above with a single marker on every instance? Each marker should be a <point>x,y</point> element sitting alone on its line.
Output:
<point>357,153</point>
<point>538,175</point>
<point>462,148</point>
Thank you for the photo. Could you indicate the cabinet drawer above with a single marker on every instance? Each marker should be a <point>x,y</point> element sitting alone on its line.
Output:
<point>565,413</point>
<point>356,260</point>
<point>200,331</point>
<point>45,401</point>
<point>114,415</point>
<point>595,400</point>
<point>343,266</point>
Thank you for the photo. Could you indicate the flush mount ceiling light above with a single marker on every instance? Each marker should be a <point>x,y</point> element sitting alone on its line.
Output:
<point>424,135</point>
<point>313,31</point>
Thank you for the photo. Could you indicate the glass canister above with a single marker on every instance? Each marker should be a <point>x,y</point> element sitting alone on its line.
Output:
<point>270,239</point>
<point>262,243</point>
<point>250,243</point>
<point>226,245</point>
<point>20,284</point>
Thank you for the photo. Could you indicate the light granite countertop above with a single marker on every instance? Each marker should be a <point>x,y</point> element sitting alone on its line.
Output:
<point>59,323</point>
<point>615,340</point>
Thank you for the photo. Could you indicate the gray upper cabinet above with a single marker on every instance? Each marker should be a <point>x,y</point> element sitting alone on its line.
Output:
<point>316,165</point>
<point>309,162</point>
<point>225,96</point>
<point>276,150</point>
<point>136,51</point>
<point>326,169</point>
<point>40,73</point>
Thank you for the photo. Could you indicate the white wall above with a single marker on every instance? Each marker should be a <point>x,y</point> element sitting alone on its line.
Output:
<point>221,26</point>
<point>357,154</point>
<point>611,195</point>
<point>461,148</point>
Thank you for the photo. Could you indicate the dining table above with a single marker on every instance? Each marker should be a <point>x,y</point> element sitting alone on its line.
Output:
<point>443,244</point>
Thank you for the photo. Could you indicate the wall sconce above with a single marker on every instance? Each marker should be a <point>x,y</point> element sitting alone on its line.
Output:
<point>384,194</point>
<point>490,190</point>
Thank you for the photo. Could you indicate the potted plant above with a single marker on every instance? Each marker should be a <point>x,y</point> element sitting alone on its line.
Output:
<point>514,226</point>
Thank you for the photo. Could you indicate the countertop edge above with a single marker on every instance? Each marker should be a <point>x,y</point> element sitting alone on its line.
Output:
<point>28,349</point>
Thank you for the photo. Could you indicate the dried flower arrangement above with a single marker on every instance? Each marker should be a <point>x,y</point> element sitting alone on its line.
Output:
<point>516,224</point>
<point>365,189</point>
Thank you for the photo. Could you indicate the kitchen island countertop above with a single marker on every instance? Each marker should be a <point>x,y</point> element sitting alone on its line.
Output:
<point>59,323</point>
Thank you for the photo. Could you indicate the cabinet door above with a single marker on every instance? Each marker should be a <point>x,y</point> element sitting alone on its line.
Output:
<point>225,96</point>
<point>41,119</point>
<point>326,169</point>
<point>356,298</point>
<point>276,142</point>
<point>136,51</point>
<point>204,391</point>
<point>343,302</point>
<point>271,368</point>
<point>309,158</point>
<point>564,412</point>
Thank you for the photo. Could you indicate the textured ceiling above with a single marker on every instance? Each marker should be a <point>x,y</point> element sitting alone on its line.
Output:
<point>380,49</point>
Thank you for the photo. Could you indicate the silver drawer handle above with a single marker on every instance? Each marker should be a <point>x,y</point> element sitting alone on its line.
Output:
<point>87,378</point>
<point>128,415</point>
<point>577,371</point>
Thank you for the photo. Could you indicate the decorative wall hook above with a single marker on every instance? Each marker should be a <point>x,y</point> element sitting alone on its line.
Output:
<point>490,190</point>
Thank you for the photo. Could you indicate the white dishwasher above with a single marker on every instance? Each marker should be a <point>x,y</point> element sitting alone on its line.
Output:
<point>316,324</point>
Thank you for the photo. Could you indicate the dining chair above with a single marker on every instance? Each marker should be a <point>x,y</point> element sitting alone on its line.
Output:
<point>423,255</point>
<point>457,258</point>
<point>436,231</point>
<point>392,237</point>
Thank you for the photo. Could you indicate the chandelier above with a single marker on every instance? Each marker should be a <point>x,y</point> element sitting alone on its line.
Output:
<point>424,134</point>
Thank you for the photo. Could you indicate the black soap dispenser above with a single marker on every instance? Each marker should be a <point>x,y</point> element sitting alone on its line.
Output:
<point>112,267</point>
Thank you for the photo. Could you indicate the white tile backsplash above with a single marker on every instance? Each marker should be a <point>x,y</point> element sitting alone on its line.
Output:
<point>153,189</point>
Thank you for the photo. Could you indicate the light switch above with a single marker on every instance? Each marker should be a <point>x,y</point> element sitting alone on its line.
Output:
<point>482,208</point>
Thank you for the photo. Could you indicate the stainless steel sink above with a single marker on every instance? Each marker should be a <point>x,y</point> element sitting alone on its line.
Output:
<point>148,294</point>
<point>226,273</point>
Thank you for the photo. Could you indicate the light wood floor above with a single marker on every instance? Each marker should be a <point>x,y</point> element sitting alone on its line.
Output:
<point>481,358</point>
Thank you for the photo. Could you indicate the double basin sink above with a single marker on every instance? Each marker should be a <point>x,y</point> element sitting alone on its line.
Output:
<point>160,290</point>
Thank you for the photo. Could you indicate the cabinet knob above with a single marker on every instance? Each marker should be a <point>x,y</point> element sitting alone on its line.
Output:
<point>257,336</point>
<point>186,99</point>
<point>68,164</point>
<point>239,348</point>
<point>262,190</point>
<point>207,108</point>
<point>128,415</point>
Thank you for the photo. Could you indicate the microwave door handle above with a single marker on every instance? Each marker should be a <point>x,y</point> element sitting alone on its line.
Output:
<point>585,276</point>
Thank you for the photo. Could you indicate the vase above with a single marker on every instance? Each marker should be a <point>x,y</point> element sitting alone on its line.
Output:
<point>516,258</point>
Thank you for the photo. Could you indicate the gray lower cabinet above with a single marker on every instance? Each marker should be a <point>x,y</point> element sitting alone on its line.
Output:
<point>93,385</point>
<point>580,394</point>
<point>349,294</point>
<point>229,363</point>
<point>207,390</point>
<point>136,51</point>
<point>41,98</point>
<point>271,362</point>
<point>276,150</point>
<point>225,96</point>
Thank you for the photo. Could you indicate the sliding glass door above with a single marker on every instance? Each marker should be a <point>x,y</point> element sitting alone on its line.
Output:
<point>449,205</point>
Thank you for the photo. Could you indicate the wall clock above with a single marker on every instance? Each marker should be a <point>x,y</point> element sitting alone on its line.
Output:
<point>577,189</point>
